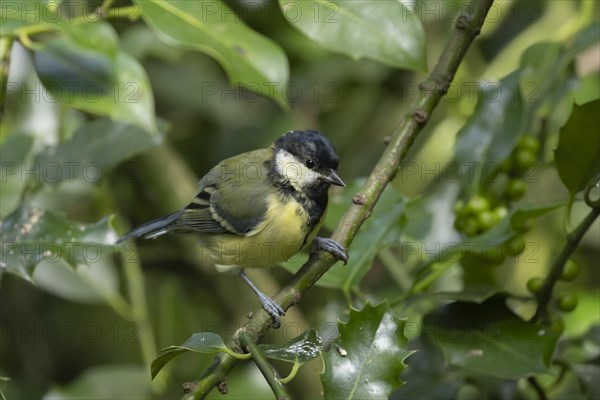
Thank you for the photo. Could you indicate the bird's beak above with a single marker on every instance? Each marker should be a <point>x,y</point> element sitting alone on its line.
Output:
<point>334,179</point>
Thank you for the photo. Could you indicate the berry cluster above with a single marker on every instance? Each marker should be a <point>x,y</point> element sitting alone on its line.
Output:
<point>522,160</point>
<point>566,301</point>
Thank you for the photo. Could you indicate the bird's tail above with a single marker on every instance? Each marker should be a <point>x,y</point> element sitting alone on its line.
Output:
<point>152,229</point>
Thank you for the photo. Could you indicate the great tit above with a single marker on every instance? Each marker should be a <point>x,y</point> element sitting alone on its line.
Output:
<point>259,208</point>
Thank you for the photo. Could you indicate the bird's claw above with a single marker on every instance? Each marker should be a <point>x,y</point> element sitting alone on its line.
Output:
<point>332,247</point>
<point>274,310</point>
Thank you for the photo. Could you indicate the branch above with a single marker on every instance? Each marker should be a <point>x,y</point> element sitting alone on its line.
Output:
<point>265,367</point>
<point>468,26</point>
<point>539,390</point>
<point>5,48</point>
<point>573,239</point>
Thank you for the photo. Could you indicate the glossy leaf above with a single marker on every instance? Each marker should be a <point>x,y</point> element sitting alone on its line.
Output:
<point>86,283</point>
<point>368,358</point>
<point>490,339</point>
<point>84,68</point>
<point>250,59</point>
<point>427,375</point>
<point>30,235</point>
<point>491,132</point>
<point>578,154</point>
<point>94,149</point>
<point>14,152</point>
<point>384,31</point>
<point>300,349</point>
<point>202,342</point>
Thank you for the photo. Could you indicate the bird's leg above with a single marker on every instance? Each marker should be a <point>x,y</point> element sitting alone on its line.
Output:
<point>268,303</point>
<point>332,247</point>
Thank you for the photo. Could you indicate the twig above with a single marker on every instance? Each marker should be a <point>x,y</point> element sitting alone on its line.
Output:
<point>139,311</point>
<point>556,270</point>
<point>264,366</point>
<point>5,48</point>
<point>538,388</point>
<point>468,26</point>
<point>106,4</point>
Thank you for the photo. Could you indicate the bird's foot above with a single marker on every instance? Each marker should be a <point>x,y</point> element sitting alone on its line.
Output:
<point>274,309</point>
<point>332,247</point>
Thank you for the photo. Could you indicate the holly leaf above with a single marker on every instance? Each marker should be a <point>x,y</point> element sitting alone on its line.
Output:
<point>489,339</point>
<point>384,31</point>
<point>31,235</point>
<point>250,59</point>
<point>369,356</point>
<point>578,154</point>
<point>299,350</point>
<point>427,375</point>
<point>200,342</point>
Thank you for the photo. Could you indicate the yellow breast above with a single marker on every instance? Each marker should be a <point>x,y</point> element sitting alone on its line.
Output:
<point>276,239</point>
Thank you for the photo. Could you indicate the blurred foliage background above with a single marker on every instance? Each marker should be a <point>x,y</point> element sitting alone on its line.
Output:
<point>88,320</point>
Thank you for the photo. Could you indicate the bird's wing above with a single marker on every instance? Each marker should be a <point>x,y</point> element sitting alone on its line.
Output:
<point>232,197</point>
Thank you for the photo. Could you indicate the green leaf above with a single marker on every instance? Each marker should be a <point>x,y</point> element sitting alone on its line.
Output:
<point>367,360</point>
<point>95,148</point>
<point>105,382</point>
<point>19,13</point>
<point>201,342</point>
<point>91,283</point>
<point>84,68</point>
<point>300,349</point>
<point>13,154</point>
<point>491,132</point>
<point>589,90</point>
<point>384,31</point>
<point>31,235</point>
<point>427,375</point>
<point>15,149</point>
<point>490,339</point>
<point>471,294</point>
<point>250,59</point>
<point>578,154</point>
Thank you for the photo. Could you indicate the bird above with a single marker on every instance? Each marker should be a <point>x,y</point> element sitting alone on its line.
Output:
<point>260,208</point>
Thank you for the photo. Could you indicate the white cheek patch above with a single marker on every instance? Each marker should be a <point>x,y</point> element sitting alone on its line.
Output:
<point>295,172</point>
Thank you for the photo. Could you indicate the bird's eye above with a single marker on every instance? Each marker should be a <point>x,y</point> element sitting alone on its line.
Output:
<point>310,164</point>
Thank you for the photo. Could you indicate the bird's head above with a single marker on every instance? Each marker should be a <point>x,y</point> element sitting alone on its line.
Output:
<point>306,160</point>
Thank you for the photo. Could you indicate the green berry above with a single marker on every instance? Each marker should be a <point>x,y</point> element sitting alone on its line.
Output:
<point>570,271</point>
<point>516,246</point>
<point>477,204</point>
<point>523,160</point>
<point>470,227</point>
<point>566,301</point>
<point>494,254</point>
<point>500,213</point>
<point>528,142</point>
<point>534,285</point>
<point>486,220</point>
<point>557,325</point>
<point>515,189</point>
<point>524,226</point>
